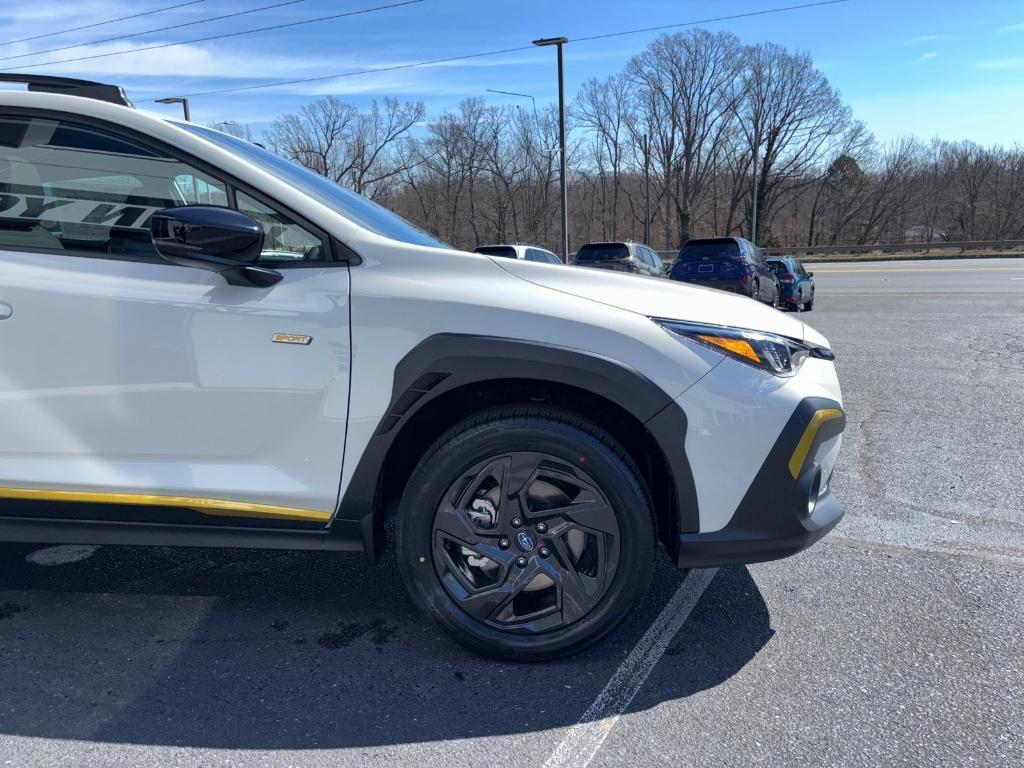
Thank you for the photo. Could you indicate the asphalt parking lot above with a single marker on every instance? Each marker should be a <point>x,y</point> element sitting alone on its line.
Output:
<point>897,640</point>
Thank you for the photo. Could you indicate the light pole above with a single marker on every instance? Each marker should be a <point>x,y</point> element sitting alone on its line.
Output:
<point>753,208</point>
<point>560,41</point>
<point>646,143</point>
<point>183,100</point>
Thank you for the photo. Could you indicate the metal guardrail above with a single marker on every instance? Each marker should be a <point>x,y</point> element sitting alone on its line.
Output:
<point>959,245</point>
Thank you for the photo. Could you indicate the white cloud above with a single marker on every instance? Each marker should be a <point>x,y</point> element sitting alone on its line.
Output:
<point>927,56</point>
<point>927,39</point>
<point>1013,28</point>
<point>1012,62</point>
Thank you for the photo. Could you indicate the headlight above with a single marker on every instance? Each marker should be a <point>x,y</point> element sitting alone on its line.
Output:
<point>779,355</point>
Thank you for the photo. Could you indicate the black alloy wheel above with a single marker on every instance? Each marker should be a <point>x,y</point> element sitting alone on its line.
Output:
<point>541,563</point>
<point>526,532</point>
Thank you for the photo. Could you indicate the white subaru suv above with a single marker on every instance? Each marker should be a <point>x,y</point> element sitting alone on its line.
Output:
<point>204,344</point>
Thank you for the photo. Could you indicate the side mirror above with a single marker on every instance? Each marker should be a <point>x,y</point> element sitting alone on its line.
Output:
<point>810,274</point>
<point>216,239</point>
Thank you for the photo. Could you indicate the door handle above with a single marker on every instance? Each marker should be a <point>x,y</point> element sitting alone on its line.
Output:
<point>5,311</point>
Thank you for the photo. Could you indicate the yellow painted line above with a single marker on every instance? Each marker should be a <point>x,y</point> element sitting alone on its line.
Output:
<point>826,270</point>
<point>206,506</point>
<point>799,456</point>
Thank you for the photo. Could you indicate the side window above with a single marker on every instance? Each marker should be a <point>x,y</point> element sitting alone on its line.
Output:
<point>645,255</point>
<point>283,239</point>
<point>71,187</point>
<point>532,254</point>
<point>656,259</point>
<point>550,258</point>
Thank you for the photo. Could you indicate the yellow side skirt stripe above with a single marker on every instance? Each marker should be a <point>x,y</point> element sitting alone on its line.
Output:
<point>799,456</point>
<point>206,506</point>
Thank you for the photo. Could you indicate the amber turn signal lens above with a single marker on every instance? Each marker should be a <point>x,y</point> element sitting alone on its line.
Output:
<point>739,347</point>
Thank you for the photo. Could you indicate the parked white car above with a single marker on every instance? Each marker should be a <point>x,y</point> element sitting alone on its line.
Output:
<point>205,344</point>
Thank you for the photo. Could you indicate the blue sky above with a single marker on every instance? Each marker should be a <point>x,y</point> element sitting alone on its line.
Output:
<point>941,68</point>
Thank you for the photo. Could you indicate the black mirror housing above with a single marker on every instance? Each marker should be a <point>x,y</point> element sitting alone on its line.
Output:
<point>216,239</point>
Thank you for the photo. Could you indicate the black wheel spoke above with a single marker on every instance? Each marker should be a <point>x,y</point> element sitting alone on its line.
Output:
<point>456,524</point>
<point>486,604</point>
<point>596,515</point>
<point>577,597</point>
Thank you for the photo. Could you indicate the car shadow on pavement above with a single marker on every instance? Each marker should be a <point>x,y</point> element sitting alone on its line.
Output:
<point>267,650</point>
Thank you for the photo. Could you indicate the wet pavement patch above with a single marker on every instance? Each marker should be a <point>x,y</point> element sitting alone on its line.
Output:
<point>9,609</point>
<point>349,633</point>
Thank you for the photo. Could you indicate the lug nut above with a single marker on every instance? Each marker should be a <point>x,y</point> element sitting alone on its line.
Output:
<point>516,522</point>
<point>542,527</point>
<point>544,552</point>
<point>504,543</point>
<point>520,562</point>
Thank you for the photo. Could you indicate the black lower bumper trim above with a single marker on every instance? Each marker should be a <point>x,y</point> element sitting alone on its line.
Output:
<point>753,545</point>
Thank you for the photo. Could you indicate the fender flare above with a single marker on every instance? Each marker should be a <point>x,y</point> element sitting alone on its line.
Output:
<point>444,362</point>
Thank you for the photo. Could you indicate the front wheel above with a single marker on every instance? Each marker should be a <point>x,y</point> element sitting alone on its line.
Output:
<point>526,532</point>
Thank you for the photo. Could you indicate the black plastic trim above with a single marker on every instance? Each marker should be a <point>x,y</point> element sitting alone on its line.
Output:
<point>445,362</point>
<point>346,537</point>
<point>767,524</point>
<point>70,86</point>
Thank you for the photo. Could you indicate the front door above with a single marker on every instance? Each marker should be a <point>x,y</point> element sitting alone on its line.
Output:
<point>128,382</point>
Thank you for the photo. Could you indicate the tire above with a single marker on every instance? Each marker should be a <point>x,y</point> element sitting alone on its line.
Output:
<point>551,604</point>
<point>755,290</point>
<point>809,305</point>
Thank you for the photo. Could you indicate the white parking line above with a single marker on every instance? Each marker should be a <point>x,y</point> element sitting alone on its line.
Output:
<point>585,738</point>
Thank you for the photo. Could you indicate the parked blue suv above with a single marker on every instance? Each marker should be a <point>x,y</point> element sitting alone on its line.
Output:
<point>728,264</point>
<point>797,283</point>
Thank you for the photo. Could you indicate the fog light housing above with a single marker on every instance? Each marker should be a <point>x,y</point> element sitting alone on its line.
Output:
<point>806,491</point>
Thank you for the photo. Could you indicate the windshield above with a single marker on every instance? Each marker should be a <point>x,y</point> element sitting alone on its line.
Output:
<point>354,207</point>
<point>708,249</point>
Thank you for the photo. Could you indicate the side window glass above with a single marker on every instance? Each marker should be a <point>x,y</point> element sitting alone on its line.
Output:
<point>71,187</point>
<point>283,239</point>
<point>551,258</point>
<point>532,254</point>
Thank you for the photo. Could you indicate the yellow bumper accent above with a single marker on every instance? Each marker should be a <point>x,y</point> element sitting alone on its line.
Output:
<point>206,506</point>
<point>799,456</point>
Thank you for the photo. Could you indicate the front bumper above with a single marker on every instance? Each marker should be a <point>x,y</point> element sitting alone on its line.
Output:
<point>776,516</point>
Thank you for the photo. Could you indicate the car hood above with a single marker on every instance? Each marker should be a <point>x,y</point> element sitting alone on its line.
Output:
<point>658,297</point>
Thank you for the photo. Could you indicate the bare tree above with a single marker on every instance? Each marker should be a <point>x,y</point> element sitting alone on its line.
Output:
<point>333,138</point>
<point>791,117</point>
<point>694,75</point>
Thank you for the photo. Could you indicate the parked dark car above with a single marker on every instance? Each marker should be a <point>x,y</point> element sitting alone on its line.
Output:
<point>622,257</point>
<point>795,282</point>
<point>728,264</point>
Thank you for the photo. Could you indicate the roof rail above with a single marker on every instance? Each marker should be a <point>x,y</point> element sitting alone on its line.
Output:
<point>87,89</point>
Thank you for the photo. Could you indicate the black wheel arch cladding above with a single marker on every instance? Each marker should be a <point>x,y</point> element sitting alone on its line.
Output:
<point>444,363</point>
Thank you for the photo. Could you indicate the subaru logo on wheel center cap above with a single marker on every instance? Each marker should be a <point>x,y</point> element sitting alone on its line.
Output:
<point>525,541</point>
